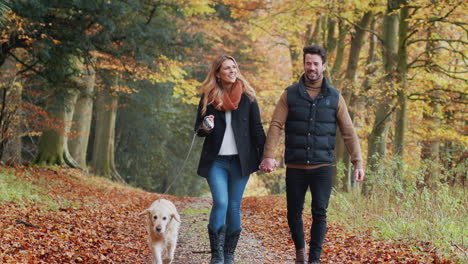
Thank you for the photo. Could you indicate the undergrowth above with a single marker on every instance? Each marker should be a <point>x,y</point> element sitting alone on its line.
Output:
<point>14,190</point>
<point>401,208</point>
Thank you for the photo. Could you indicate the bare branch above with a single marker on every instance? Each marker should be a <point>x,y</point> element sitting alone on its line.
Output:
<point>150,16</point>
<point>417,59</point>
<point>440,40</point>
<point>442,18</point>
<point>28,67</point>
<point>425,96</point>
<point>373,32</point>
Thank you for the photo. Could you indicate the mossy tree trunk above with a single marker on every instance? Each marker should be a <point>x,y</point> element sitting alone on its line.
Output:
<point>82,118</point>
<point>402,68</point>
<point>53,144</point>
<point>10,117</point>
<point>102,162</point>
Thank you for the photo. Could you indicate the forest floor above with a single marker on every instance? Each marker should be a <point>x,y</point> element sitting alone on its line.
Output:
<point>71,217</point>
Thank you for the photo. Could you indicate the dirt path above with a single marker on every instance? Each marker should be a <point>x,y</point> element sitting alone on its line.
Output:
<point>194,247</point>
<point>266,239</point>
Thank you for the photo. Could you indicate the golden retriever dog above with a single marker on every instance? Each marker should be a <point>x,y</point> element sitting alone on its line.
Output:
<point>162,224</point>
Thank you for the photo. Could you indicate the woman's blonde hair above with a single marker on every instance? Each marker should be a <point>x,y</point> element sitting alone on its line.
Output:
<point>212,88</point>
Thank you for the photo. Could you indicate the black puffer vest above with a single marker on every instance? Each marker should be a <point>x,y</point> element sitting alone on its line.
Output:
<point>311,125</point>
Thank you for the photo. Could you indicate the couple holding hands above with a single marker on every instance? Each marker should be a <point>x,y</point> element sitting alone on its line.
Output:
<point>309,112</point>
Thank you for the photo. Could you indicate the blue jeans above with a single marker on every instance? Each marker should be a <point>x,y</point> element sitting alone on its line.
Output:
<point>227,187</point>
<point>320,183</point>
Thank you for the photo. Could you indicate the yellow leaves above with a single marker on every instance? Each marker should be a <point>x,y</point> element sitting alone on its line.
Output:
<point>199,7</point>
<point>187,91</point>
<point>242,9</point>
<point>167,71</point>
<point>170,71</point>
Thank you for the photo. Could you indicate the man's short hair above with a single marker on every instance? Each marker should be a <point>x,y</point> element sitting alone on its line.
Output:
<point>315,49</point>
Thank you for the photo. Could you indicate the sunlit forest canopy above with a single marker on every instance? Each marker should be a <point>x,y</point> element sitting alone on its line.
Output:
<point>111,87</point>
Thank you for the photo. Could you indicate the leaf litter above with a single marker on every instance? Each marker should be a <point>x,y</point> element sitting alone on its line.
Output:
<point>87,219</point>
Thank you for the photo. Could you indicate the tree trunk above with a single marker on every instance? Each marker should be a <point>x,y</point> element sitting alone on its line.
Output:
<point>53,147</point>
<point>323,29</point>
<point>331,39</point>
<point>82,119</point>
<point>10,119</point>
<point>337,64</point>
<point>296,62</point>
<point>340,50</point>
<point>367,84</point>
<point>357,42</point>
<point>430,149</point>
<point>378,137</point>
<point>371,67</point>
<point>103,150</point>
<point>400,124</point>
<point>316,38</point>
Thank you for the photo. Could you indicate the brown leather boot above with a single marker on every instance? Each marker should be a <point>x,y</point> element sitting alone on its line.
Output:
<point>300,256</point>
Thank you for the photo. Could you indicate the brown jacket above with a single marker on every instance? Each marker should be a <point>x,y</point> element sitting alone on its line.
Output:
<point>345,125</point>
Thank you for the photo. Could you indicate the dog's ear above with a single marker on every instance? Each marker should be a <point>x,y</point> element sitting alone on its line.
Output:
<point>176,216</point>
<point>144,212</point>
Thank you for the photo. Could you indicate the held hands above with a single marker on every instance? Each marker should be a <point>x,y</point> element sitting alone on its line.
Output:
<point>204,126</point>
<point>268,165</point>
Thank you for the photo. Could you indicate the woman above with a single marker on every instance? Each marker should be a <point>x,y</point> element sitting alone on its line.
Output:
<point>232,150</point>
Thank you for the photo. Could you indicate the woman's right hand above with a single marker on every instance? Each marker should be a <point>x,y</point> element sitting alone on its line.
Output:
<point>204,127</point>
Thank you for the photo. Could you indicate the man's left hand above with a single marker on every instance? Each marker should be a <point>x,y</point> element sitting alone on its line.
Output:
<point>359,175</point>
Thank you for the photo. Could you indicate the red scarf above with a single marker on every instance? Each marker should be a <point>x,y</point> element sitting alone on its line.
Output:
<point>230,100</point>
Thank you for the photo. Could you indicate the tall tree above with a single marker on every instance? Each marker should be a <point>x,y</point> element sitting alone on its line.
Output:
<point>103,162</point>
<point>73,30</point>
<point>350,88</point>
<point>378,136</point>
<point>10,114</point>
<point>402,71</point>
<point>78,143</point>
<point>53,147</point>
<point>340,49</point>
<point>434,35</point>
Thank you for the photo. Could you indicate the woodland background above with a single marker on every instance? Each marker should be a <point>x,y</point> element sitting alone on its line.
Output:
<point>111,87</point>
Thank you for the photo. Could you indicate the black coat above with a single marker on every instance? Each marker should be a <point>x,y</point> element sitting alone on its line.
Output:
<point>248,133</point>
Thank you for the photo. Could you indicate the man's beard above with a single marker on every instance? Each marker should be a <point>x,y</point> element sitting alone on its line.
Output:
<point>318,76</point>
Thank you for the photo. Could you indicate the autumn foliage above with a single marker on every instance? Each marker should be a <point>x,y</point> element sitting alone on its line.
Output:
<point>404,89</point>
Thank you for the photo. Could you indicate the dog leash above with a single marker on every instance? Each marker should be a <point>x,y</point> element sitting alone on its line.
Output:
<point>208,123</point>
<point>183,165</point>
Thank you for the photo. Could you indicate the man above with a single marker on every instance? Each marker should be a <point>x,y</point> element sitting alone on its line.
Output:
<point>310,111</point>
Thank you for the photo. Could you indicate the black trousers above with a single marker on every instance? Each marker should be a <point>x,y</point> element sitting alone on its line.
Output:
<point>320,183</point>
